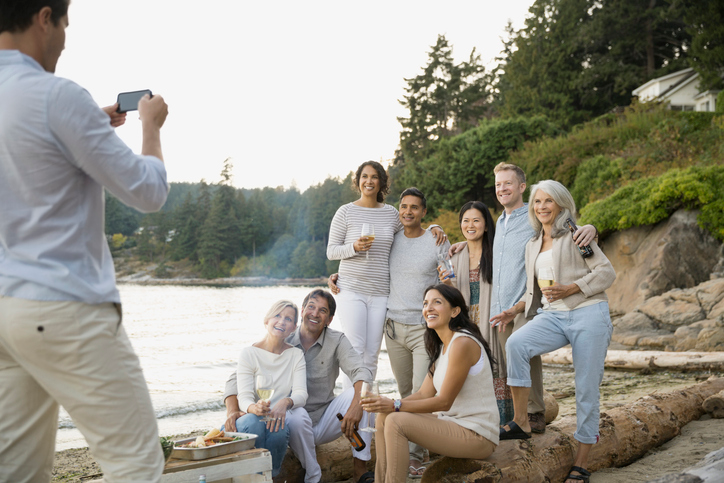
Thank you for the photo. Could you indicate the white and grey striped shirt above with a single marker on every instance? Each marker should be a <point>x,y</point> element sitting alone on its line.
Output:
<point>356,272</point>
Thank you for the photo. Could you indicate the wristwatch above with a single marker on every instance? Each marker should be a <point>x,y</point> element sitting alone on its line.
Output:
<point>398,405</point>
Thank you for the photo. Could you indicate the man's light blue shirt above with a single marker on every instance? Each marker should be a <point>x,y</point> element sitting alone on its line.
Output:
<point>57,152</point>
<point>509,259</point>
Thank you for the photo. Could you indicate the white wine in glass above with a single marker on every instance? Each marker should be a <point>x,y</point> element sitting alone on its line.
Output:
<point>368,230</point>
<point>546,278</point>
<point>264,389</point>
<point>369,389</point>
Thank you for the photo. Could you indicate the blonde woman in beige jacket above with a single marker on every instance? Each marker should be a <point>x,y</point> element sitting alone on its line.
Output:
<point>574,310</point>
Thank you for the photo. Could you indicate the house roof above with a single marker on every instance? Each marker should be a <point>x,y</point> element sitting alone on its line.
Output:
<point>663,78</point>
<point>679,85</point>
<point>713,92</point>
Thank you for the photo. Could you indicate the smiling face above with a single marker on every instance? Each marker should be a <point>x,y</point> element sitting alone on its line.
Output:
<point>369,181</point>
<point>473,225</point>
<point>546,209</point>
<point>508,189</point>
<point>437,311</point>
<point>282,324</point>
<point>316,316</point>
<point>411,211</point>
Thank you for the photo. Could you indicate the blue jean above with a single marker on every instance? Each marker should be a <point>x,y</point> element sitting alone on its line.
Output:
<point>275,442</point>
<point>588,330</point>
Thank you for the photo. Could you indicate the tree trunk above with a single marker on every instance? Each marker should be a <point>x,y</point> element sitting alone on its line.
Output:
<point>626,434</point>
<point>714,405</point>
<point>656,360</point>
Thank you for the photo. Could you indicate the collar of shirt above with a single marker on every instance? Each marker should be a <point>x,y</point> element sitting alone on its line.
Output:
<point>296,340</point>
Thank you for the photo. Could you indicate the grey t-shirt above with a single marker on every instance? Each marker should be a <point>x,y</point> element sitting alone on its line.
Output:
<point>413,268</point>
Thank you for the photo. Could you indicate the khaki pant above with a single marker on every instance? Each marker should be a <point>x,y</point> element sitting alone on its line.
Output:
<point>409,361</point>
<point>535,400</point>
<point>78,356</point>
<point>447,438</point>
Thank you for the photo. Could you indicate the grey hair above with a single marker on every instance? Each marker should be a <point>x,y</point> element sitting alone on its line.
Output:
<point>562,197</point>
<point>277,308</point>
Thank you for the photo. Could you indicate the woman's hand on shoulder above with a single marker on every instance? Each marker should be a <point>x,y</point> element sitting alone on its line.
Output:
<point>439,234</point>
<point>456,248</point>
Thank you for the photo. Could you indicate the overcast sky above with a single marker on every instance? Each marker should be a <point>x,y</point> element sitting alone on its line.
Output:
<point>292,91</point>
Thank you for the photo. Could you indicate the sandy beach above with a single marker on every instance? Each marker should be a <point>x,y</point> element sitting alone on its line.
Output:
<point>696,440</point>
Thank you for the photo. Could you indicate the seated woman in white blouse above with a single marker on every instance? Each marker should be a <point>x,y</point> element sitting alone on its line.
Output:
<point>455,412</point>
<point>285,364</point>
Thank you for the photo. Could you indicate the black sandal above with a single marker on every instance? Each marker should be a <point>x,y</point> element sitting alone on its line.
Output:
<point>583,476</point>
<point>368,477</point>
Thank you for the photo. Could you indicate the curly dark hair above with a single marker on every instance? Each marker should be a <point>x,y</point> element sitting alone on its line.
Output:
<point>459,323</point>
<point>486,257</point>
<point>17,15</point>
<point>384,180</point>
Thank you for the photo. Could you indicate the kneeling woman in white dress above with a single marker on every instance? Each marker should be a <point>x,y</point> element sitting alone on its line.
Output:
<point>455,412</point>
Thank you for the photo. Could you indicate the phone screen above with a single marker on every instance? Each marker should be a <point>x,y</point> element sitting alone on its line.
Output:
<point>128,101</point>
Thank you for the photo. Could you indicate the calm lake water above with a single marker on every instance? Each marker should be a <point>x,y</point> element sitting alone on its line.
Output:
<point>188,340</point>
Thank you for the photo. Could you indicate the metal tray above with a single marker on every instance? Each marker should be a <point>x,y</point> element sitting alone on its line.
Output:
<point>218,449</point>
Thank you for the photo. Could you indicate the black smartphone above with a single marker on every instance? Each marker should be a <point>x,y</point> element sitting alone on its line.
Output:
<point>128,101</point>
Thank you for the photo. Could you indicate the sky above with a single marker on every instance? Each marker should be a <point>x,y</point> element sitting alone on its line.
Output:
<point>292,91</point>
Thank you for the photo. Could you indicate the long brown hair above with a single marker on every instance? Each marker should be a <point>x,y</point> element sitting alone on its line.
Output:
<point>460,323</point>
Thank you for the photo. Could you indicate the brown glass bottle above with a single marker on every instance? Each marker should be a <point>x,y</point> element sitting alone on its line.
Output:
<point>357,443</point>
<point>585,251</point>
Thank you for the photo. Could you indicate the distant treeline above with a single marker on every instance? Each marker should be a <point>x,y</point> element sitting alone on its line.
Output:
<point>226,231</point>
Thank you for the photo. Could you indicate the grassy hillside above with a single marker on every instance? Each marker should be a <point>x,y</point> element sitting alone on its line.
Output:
<point>635,168</point>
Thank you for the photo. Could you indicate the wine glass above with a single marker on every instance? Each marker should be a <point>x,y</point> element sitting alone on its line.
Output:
<point>368,230</point>
<point>546,278</point>
<point>369,389</point>
<point>264,389</point>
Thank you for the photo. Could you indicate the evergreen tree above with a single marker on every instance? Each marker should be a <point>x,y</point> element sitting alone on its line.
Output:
<point>705,21</point>
<point>445,99</point>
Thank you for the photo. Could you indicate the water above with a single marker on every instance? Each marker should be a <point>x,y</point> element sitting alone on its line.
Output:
<point>188,340</point>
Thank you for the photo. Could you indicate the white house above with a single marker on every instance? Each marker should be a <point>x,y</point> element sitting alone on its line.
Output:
<point>680,89</point>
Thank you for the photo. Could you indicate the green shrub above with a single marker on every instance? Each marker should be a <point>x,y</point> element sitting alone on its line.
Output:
<point>719,108</point>
<point>651,200</point>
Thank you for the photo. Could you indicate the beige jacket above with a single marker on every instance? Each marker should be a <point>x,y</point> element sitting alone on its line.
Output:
<point>593,275</point>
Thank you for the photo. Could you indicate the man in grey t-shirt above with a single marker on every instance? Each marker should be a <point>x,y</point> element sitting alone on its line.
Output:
<point>413,268</point>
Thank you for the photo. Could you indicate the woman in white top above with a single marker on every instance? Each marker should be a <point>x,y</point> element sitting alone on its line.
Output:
<point>364,270</point>
<point>454,413</point>
<point>287,368</point>
<point>574,311</point>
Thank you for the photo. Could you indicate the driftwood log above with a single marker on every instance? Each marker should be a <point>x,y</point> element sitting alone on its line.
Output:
<point>626,434</point>
<point>714,405</point>
<point>654,360</point>
<point>708,470</point>
<point>335,458</point>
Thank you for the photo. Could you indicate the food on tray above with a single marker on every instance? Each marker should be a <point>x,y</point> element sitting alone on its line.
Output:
<point>211,438</point>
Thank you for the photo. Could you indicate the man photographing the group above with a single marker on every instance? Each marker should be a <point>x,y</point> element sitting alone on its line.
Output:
<point>61,337</point>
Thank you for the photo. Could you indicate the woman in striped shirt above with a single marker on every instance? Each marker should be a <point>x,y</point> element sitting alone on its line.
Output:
<point>364,273</point>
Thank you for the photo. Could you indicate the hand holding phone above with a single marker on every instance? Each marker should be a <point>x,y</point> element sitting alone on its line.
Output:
<point>128,101</point>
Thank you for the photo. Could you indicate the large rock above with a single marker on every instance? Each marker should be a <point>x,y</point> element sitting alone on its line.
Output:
<point>650,260</point>
<point>679,320</point>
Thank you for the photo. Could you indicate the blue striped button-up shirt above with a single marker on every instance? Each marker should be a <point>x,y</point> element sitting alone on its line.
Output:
<point>509,259</point>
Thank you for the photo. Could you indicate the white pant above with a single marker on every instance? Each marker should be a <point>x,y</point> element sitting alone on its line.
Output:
<point>78,356</point>
<point>303,437</point>
<point>363,319</point>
